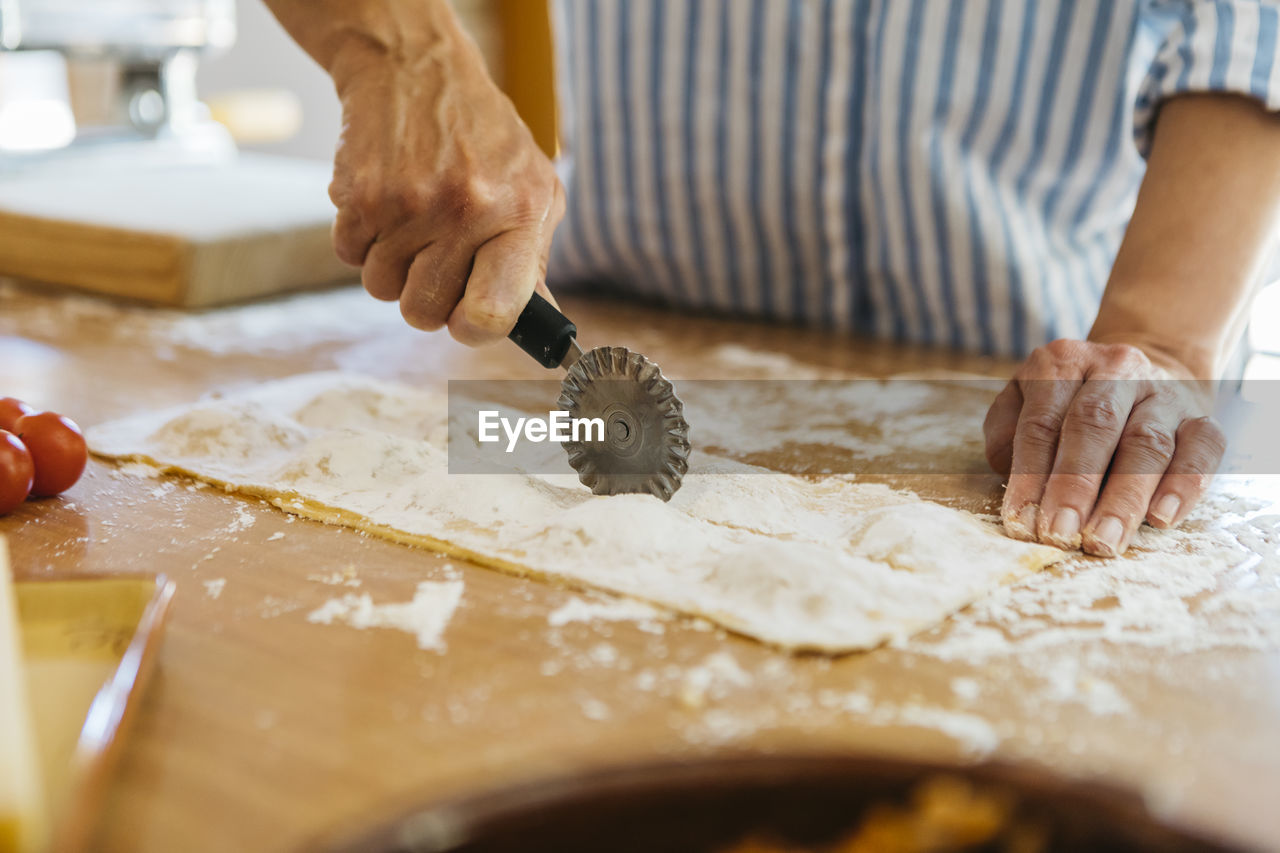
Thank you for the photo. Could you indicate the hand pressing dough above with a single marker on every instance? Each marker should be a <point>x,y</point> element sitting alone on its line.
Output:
<point>830,565</point>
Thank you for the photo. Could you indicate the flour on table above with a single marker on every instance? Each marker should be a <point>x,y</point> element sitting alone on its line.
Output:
<point>1067,684</point>
<point>243,520</point>
<point>832,565</point>
<point>712,679</point>
<point>967,689</point>
<point>426,616</point>
<point>213,588</point>
<point>975,735</point>
<point>617,610</point>
<point>162,490</point>
<point>346,577</point>
<point>594,709</point>
<point>755,363</point>
<point>272,606</point>
<point>274,326</point>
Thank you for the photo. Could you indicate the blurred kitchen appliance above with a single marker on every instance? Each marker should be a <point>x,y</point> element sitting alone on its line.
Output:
<point>146,197</point>
<point>142,55</point>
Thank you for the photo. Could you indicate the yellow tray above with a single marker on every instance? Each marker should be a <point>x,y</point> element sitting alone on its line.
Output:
<point>89,643</point>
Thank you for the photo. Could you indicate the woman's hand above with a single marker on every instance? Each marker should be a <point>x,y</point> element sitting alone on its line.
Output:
<point>444,199</point>
<point>1097,437</point>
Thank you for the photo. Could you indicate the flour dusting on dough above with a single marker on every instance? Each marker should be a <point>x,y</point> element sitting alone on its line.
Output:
<point>1213,583</point>
<point>831,565</point>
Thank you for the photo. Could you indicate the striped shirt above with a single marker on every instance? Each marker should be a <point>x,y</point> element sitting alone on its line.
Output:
<point>950,172</point>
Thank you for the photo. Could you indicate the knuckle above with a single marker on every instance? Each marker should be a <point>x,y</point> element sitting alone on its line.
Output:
<point>540,201</point>
<point>1126,355</point>
<point>1062,349</point>
<point>1208,432</point>
<point>1038,361</point>
<point>989,422</point>
<point>1204,444</point>
<point>1050,361</point>
<point>1200,466</point>
<point>374,286</point>
<point>464,333</point>
<point>1073,488</point>
<point>475,192</point>
<point>1127,505</point>
<point>448,198</point>
<point>998,426</point>
<point>1169,394</point>
<point>1215,443</point>
<point>380,283</point>
<point>1149,439</point>
<point>358,196</point>
<point>339,193</point>
<point>483,191</point>
<point>425,306</point>
<point>343,189</point>
<point>488,317</point>
<point>524,209</point>
<point>1041,427</point>
<point>999,456</point>
<point>559,205</point>
<point>413,198</point>
<point>347,248</point>
<point>1004,408</point>
<point>1096,413</point>
<point>488,204</point>
<point>421,315</point>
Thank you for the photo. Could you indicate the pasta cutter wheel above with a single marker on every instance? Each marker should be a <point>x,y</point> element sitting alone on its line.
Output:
<point>645,448</point>
<point>646,438</point>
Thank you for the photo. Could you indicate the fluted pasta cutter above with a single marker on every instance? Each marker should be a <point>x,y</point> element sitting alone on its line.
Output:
<point>645,443</point>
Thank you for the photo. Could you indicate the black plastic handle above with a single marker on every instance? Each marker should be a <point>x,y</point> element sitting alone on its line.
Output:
<point>543,332</point>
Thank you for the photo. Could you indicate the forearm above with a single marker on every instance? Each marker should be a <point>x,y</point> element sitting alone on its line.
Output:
<point>345,36</point>
<point>1205,222</point>
<point>444,200</point>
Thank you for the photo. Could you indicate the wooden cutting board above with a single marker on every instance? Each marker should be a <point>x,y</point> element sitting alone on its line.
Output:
<point>179,234</point>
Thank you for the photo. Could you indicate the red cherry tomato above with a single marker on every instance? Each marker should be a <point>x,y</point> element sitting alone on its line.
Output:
<point>11,408</point>
<point>57,448</point>
<point>17,472</point>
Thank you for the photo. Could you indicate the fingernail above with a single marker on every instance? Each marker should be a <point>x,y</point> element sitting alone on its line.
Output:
<point>1107,536</point>
<point>1065,531</point>
<point>1022,525</point>
<point>1166,509</point>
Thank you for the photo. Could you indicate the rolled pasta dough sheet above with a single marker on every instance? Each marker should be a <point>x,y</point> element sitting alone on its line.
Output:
<point>831,565</point>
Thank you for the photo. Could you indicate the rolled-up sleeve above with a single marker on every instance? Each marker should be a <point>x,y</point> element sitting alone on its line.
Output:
<point>1209,46</point>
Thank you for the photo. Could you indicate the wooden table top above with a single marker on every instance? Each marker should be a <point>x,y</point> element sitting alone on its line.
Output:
<point>262,730</point>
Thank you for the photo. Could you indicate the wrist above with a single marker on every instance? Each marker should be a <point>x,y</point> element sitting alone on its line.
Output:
<point>1175,341</point>
<point>379,44</point>
<point>1183,359</point>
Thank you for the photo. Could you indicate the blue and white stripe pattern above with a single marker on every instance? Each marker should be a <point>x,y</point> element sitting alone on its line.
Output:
<point>950,172</point>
